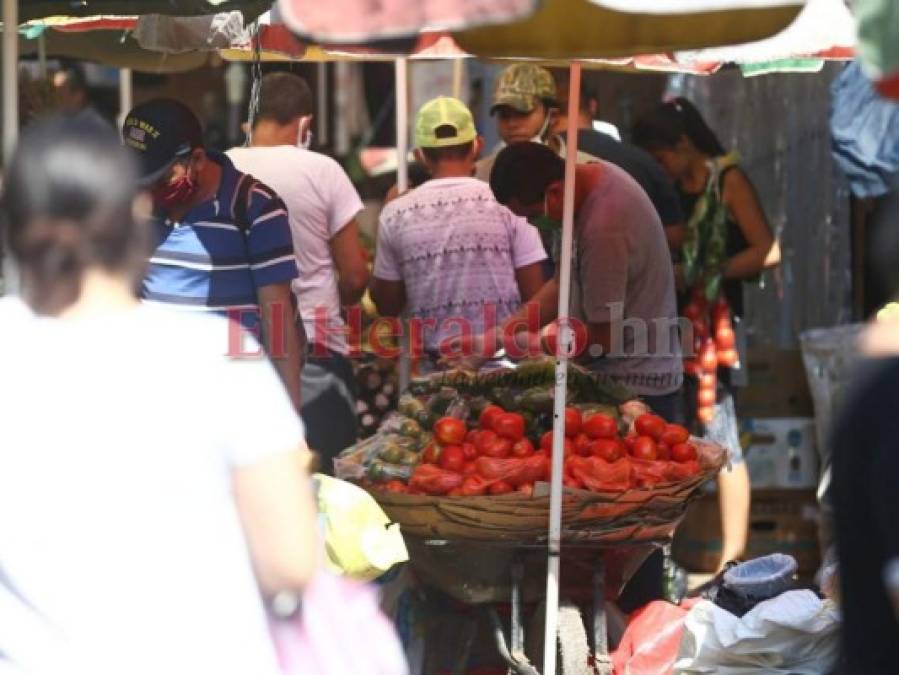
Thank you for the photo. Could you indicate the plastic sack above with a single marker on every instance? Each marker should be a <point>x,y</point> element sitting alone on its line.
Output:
<point>650,642</point>
<point>360,540</point>
<point>795,633</point>
<point>333,610</point>
<point>762,578</point>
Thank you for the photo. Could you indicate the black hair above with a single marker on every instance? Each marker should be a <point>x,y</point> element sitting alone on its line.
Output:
<point>75,77</point>
<point>448,153</point>
<point>523,171</point>
<point>67,206</point>
<point>667,123</point>
<point>283,97</point>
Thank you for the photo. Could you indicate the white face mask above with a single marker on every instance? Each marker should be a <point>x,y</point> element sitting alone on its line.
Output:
<point>540,137</point>
<point>305,141</point>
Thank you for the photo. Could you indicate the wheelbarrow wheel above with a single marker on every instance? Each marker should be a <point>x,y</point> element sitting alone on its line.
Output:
<point>574,651</point>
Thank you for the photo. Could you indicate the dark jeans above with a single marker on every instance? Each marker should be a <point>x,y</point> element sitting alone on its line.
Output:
<point>329,406</point>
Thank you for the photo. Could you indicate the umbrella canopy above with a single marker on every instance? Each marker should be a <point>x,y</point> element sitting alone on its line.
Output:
<point>39,9</point>
<point>556,29</point>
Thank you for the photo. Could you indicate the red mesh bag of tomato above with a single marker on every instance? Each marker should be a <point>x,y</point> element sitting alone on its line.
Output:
<point>650,472</point>
<point>433,480</point>
<point>515,471</point>
<point>678,471</point>
<point>601,476</point>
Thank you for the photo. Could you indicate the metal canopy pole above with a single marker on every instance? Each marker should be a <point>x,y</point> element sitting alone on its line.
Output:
<point>321,100</point>
<point>10,77</point>
<point>126,101</point>
<point>565,341</point>
<point>402,184</point>
<point>10,85</point>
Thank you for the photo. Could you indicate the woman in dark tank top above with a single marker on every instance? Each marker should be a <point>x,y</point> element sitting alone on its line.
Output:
<point>680,140</point>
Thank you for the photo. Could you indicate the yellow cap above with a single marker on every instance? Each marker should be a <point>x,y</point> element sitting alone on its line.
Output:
<point>448,115</point>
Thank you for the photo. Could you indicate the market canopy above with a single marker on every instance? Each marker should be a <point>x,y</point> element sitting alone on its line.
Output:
<point>40,9</point>
<point>553,30</point>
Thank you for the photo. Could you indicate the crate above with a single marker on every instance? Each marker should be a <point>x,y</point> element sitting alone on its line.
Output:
<point>781,521</point>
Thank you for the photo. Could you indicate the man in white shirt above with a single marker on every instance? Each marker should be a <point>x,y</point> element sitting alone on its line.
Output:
<point>322,205</point>
<point>449,255</point>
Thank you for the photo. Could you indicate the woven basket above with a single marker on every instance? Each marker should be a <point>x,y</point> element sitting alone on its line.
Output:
<point>636,515</point>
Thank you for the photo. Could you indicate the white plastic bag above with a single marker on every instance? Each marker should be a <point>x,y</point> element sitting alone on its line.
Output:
<point>795,633</point>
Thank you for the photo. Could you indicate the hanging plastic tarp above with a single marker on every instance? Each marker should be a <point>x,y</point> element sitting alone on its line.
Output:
<point>865,134</point>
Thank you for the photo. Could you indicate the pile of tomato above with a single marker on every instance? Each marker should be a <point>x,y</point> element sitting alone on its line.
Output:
<point>495,457</point>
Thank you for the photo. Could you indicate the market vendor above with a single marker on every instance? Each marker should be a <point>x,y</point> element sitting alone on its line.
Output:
<point>525,105</point>
<point>622,277</point>
<point>221,240</point>
<point>449,255</point>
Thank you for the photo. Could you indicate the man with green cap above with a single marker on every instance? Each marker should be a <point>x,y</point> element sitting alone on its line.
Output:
<point>449,255</point>
<point>525,103</point>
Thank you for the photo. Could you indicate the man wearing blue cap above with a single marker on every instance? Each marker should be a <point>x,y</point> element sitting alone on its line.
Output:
<point>222,241</point>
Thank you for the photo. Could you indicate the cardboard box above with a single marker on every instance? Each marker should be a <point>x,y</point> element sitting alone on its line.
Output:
<point>780,521</point>
<point>781,452</point>
<point>777,385</point>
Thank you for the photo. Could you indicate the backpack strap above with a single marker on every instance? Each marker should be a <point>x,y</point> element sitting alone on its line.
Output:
<point>240,203</point>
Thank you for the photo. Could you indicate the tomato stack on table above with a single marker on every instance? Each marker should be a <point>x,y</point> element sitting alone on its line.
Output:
<point>494,456</point>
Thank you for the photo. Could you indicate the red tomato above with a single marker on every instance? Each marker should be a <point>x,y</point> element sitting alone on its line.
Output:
<point>725,338</point>
<point>431,454</point>
<point>456,492</point>
<point>470,451</point>
<point>608,449</point>
<point>474,486</point>
<point>573,422</point>
<point>500,448</point>
<point>650,425</point>
<point>522,448</point>
<point>469,469</point>
<point>663,451</point>
<point>692,311</point>
<point>705,414</point>
<point>708,357</point>
<point>546,441</point>
<point>449,431</point>
<point>509,425</point>
<point>396,486</point>
<point>452,458</point>
<point>489,415</point>
<point>500,487</point>
<point>683,452</point>
<point>706,397</point>
<point>728,358</point>
<point>567,448</point>
<point>700,328</point>
<point>484,440</point>
<point>629,443</point>
<point>674,434</point>
<point>645,448</point>
<point>527,489</point>
<point>582,444</point>
<point>471,436</point>
<point>601,426</point>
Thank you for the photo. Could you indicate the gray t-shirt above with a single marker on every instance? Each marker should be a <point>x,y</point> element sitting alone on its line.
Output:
<point>622,275</point>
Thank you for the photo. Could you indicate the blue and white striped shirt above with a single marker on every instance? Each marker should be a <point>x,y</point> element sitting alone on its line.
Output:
<point>206,262</point>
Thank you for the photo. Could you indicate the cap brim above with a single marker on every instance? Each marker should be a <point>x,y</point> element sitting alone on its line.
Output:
<point>512,102</point>
<point>147,179</point>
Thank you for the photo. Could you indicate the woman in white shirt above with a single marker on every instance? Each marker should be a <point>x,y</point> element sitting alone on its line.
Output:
<point>153,490</point>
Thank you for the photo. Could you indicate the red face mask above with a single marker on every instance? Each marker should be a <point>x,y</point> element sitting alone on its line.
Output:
<point>172,194</point>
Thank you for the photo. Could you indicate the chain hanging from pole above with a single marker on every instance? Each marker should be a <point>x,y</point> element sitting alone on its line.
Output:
<point>256,75</point>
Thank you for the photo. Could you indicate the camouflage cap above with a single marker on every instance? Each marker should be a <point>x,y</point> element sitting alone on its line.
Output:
<point>522,86</point>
